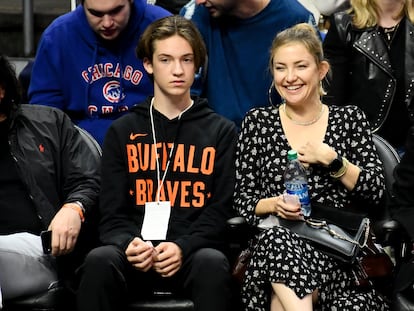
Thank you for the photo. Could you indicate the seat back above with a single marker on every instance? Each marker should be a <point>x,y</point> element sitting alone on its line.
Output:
<point>389,157</point>
<point>383,225</point>
<point>90,141</point>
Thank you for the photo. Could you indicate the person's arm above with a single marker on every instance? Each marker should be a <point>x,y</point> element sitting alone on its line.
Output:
<point>81,168</point>
<point>117,225</point>
<point>80,187</point>
<point>65,227</point>
<point>362,172</point>
<point>349,174</point>
<point>370,185</point>
<point>248,195</point>
<point>45,86</point>
<point>321,153</point>
<point>337,52</point>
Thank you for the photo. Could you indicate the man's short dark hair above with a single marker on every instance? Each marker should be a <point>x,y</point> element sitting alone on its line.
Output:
<point>10,84</point>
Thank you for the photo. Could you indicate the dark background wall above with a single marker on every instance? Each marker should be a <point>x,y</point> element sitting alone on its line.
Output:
<point>11,23</point>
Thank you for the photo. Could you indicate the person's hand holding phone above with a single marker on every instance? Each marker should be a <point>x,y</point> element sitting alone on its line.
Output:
<point>65,227</point>
<point>46,237</point>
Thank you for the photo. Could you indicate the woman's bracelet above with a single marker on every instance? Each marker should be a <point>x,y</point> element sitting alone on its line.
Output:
<point>341,172</point>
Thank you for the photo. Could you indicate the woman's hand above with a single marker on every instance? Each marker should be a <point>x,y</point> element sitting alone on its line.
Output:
<point>316,153</point>
<point>290,209</point>
<point>323,154</point>
<point>277,206</point>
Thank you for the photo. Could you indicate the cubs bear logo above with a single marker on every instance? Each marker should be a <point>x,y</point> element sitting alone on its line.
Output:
<point>112,91</point>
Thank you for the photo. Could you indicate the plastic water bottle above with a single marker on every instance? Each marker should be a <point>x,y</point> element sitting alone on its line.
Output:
<point>296,182</point>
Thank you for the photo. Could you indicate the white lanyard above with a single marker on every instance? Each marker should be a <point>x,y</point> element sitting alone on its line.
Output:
<point>161,182</point>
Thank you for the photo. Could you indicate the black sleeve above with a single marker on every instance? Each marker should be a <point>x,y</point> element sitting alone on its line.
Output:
<point>117,225</point>
<point>81,167</point>
<point>209,228</point>
<point>337,53</point>
<point>402,207</point>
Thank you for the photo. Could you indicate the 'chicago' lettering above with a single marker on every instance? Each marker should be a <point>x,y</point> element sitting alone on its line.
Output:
<point>107,70</point>
<point>93,109</point>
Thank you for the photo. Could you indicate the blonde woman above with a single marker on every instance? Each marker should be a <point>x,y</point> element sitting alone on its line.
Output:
<point>370,51</point>
<point>285,272</point>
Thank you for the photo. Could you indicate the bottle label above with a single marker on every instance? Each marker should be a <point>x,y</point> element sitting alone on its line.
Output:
<point>301,190</point>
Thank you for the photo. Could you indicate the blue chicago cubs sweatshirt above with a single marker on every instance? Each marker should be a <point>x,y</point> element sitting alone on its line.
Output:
<point>93,80</point>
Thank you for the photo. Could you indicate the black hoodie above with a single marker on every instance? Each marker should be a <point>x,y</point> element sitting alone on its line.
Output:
<point>199,182</point>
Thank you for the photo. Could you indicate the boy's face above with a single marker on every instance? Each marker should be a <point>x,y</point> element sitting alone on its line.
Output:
<point>172,66</point>
<point>108,18</point>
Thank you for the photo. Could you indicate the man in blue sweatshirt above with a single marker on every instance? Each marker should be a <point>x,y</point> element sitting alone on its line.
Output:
<point>238,35</point>
<point>86,64</point>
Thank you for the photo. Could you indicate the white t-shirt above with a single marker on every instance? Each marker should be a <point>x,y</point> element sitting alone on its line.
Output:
<point>324,7</point>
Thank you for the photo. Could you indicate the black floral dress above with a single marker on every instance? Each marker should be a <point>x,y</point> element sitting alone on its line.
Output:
<point>280,256</point>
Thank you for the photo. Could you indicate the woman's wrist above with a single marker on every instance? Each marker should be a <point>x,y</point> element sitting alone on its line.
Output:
<point>341,169</point>
<point>265,206</point>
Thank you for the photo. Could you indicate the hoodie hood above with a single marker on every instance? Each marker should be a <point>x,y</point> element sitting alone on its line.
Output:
<point>93,80</point>
<point>116,46</point>
<point>92,39</point>
<point>200,109</point>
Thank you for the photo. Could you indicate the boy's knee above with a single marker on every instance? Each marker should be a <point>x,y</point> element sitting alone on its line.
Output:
<point>102,258</point>
<point>210,261</point>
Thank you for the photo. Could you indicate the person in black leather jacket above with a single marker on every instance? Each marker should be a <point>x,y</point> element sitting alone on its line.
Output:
<point>49,181</point>
<point>370,51</point>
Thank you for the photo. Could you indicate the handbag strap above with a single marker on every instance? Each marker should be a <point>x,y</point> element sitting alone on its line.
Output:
<point>322,224</point>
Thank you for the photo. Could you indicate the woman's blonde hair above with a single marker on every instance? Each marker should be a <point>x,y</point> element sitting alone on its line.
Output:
<point>304,34</point>
<point>366,12</point>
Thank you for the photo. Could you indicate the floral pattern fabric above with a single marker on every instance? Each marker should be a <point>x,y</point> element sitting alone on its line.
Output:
<point>280,255</point>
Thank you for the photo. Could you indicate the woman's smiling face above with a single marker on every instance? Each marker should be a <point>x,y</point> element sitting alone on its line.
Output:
<point>296,74</point>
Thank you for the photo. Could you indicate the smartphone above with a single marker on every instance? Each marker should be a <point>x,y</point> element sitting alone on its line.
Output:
<point>46,237</point>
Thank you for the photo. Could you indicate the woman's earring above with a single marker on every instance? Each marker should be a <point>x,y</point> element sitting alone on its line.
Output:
<point>322,91</point>
<point>270,93</point>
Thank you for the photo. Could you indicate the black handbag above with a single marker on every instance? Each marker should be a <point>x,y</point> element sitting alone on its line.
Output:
<point>340,233</point>
<point>330,238</point>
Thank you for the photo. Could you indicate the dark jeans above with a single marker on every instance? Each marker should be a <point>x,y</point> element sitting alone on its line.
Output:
<point>109,281</point>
